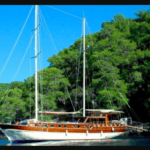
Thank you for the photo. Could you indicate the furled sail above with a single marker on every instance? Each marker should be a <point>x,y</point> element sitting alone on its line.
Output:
<point>57,113</point>
<point>104,111</point>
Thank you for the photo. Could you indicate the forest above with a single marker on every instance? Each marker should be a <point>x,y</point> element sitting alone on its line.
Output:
<point>117,74</point>
<point>3,86</point>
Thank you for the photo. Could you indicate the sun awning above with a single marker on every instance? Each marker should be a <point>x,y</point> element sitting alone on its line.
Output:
<point>104,111</point>
<point>57,113</point>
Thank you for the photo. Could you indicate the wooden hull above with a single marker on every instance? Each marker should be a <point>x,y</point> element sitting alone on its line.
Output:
<point>28,133</point>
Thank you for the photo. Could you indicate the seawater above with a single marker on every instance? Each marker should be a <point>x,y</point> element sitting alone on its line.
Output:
<point>4,142</point>
<point>119,141</point>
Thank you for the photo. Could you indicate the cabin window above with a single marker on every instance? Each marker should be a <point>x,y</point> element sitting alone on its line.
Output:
<point>73,126</point>
<point>78,126</point>
<point>101,120</point>
<point>65,126</point>
<point>113,117</point>
<point>94,120</point>
<point>59,125</point>
<point>52,125</point>
<point>45,125</point>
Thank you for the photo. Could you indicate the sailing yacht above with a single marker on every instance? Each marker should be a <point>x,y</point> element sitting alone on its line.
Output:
<point>95,126</point>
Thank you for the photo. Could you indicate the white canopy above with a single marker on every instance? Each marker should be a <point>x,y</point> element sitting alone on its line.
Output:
<point>104,111</point>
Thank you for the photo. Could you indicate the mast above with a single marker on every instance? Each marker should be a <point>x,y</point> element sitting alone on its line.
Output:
<point>83,67</point>
<point>36,88</point>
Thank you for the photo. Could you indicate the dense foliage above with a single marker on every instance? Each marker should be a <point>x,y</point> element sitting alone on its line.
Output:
<point>3,86</point>
<point>117,73</point>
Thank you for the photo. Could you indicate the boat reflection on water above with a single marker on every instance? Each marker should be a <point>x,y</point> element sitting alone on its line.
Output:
<point>68,143</point>
<point>122,141</point>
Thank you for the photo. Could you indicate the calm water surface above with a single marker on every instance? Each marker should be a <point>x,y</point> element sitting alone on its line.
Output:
<point>119,141</point>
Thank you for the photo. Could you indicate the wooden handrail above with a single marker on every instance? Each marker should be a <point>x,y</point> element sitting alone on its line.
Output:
<point>70,125</point>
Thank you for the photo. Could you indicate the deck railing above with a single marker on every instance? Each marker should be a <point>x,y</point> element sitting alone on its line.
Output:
<point>91,125</point>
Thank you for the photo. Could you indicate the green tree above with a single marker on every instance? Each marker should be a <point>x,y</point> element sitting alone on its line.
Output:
<point>11,104</point>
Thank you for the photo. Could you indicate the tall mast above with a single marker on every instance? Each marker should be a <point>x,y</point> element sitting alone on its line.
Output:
<point>36,87</point>
<point>83,67</point>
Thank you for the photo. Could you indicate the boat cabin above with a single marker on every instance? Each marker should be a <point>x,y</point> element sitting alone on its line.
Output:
<point>97,116</point>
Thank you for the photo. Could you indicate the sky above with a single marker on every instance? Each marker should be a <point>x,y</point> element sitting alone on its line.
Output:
<point>57,30</point>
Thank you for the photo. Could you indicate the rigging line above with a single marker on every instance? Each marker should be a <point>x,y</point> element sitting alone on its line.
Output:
<point>86,82</point>
<point>90,35</point>
<point>130,108</point>
<point>30,83</point>
<point>77,79</point>
<point>15,42</point>
<point>42,22</point>
<point>71,101</point>
<point>41,73</point>
<point>76,82</point>
<point>127,103</point>
<point>106,83</point>
<point>92,44</point>
<point>55,50</point>
<point>65,12</point>
<point>127,111</point>
<point>48,30</point>
<point>78,69</point>
<point>20,63</point>
<point>79,57</point>
<point>41,87</point>
<point>23,58</point>
<point>40,16</point>
<point>124,99</point>
<point>40,67</point>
